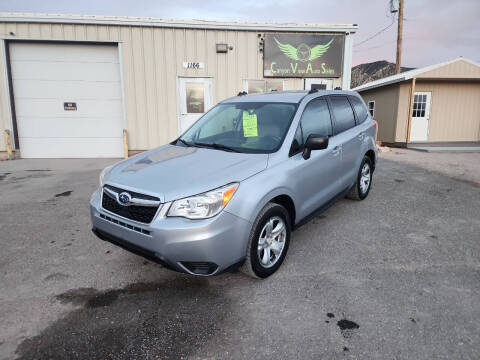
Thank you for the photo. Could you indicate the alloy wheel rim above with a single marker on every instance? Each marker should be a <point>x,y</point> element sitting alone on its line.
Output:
<point>271,242</point>
<point>365,178</point>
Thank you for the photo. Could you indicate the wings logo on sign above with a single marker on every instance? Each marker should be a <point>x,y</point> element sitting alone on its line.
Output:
<point>303,52</point>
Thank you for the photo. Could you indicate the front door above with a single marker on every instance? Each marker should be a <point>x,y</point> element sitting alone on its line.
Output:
<point>320,84</point>
<point>315,179</point>
<point>195,98</point>
<point>420,116</point>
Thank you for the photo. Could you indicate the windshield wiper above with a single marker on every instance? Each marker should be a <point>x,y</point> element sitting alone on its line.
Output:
<point>186,143</point>
<point>217,146</point>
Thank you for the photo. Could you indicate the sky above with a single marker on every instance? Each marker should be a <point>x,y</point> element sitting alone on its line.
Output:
<point>434,30</point>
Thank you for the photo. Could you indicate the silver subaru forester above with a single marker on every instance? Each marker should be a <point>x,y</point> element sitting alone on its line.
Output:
<point>229,191</point>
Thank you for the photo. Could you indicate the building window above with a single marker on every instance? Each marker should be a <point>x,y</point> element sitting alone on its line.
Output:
<point>195,97</point>
<point>255,86</point>
<point>371,107</point>
<point>419,105</point>
<point>261,86</point>
<point>273,85</point>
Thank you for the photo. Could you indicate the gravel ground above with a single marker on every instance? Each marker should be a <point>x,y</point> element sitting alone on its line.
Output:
<point>396,276</point>
<point>461,166</point>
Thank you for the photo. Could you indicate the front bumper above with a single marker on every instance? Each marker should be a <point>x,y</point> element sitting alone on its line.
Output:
<point>200,247</point>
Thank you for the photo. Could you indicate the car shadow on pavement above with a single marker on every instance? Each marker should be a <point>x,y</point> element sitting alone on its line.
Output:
<point>169,319</point>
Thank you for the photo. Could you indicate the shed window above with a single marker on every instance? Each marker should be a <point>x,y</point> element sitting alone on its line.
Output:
<point>371,107</point>
<point>419,105</point>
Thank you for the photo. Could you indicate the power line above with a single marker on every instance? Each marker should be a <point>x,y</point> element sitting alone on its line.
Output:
<point>376,46</point>
<point>386,43</point>
<point>377,33</point>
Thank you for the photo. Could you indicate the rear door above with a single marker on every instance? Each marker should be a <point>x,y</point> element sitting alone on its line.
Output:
<point>315,179</point>
<point>347,135</point>
<point>365,128</point>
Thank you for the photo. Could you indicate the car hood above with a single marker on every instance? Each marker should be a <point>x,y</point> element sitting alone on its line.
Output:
<point>174,172</point>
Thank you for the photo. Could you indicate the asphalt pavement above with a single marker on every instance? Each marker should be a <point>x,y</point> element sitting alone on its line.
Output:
<point>396,276</point>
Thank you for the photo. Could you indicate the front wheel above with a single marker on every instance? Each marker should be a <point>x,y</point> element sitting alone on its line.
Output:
<point>364,181</point>
<point>268,241</point>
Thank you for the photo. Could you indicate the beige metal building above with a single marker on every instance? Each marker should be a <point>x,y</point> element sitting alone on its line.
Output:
<point>435,105</point>
<point>70,85</point>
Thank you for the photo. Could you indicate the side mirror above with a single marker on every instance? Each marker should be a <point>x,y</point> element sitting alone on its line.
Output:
<point>314,142</point>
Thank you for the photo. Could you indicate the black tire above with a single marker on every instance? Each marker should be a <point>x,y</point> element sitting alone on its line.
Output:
<point>356,192</point>
<point>252,265</point>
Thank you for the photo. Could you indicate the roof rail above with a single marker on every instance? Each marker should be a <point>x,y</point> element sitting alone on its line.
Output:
<point>338,88</point>
<point>313,91</point>
<point>242,93</point>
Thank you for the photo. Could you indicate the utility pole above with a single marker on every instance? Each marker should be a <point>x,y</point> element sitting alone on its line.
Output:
<point>398,64</point>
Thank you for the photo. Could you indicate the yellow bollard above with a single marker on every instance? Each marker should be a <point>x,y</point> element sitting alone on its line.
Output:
<point>125,144</point>
<point>8,142</point>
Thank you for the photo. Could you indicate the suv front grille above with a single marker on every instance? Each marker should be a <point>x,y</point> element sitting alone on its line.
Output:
<point>144,214</point>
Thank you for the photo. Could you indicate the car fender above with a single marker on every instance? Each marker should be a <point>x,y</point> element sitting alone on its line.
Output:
<point>254,193</point>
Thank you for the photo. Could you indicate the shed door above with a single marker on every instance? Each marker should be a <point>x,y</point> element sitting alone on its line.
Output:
<point>68,100</point>
<point>420,116</point>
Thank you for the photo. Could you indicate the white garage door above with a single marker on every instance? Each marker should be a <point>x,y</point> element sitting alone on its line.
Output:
<point>68,100</point>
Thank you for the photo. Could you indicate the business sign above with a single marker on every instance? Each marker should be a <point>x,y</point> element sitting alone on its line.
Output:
<point>303,55</point>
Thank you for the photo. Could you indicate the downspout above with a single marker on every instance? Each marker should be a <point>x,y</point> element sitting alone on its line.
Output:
<point>410,110</point>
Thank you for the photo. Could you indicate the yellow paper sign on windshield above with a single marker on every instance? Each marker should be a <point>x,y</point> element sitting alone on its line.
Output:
<point>249,124</point>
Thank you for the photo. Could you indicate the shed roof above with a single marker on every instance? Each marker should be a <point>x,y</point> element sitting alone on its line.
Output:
<point>459,68</point>
<point>173,23</point>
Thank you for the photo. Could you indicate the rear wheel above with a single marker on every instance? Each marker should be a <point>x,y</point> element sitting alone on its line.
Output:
<point>268,242</point>
<point>364,181</point>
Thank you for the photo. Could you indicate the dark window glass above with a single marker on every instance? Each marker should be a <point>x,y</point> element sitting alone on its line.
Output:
<point>316,119</point>
<point>419,105</point>
<point>343,113</point>
<point>360,109</point>
<point>371,108</point>
<point>297,143</point>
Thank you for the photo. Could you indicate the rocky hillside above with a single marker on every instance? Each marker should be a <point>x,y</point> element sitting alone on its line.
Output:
<point>364,73</point>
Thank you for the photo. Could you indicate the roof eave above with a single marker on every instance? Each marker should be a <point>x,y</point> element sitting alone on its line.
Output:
<point>407,75</point>
<point>154,22</point>
<point>374,86</point>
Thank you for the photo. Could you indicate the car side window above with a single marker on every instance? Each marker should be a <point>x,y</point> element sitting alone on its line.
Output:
<point>297,143</point>
<point>316,119</point>
<point>359,108</point>
<point>343,113</point>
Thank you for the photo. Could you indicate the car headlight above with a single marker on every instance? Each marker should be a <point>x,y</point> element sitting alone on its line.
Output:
<point>103,174</point>
<point>204,205</point>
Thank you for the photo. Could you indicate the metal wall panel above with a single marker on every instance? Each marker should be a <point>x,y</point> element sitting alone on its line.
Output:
<point>403,110</point>
<point>455,110</point>
<point>152,59</point>
<point>385,112</point>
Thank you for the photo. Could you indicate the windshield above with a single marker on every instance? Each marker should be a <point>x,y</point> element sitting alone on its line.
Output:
<point>242,127</point>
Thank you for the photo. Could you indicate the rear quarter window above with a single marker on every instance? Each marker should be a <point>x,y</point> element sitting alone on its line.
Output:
<point>359,108</point>
<point>343,113</point>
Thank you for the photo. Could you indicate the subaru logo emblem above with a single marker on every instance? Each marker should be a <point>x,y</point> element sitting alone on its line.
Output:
<point>124,198</point>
